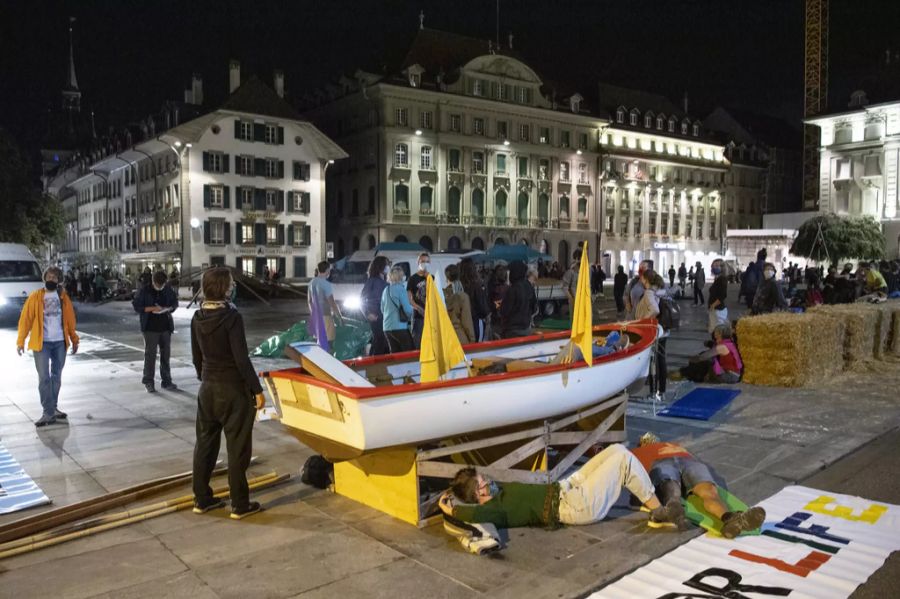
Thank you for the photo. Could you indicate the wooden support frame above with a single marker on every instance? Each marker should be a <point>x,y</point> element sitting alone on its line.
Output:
<point>390,480</point>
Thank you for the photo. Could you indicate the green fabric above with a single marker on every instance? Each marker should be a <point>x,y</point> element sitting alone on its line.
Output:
<point>350,340</point>
<point>517,504</point>
<point>696,513</point>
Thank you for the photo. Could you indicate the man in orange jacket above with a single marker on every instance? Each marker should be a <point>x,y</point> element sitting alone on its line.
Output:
<point>48,320</point>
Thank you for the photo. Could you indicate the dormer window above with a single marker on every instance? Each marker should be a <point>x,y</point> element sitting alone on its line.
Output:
<point>660,122</point>
<point>648,120</point>
<point>684,127</point>
<point>633,118</point>
<point>696,131</point>
<point>575,103</point>
<point>671,124</point>
<point>620,115</point>
<point>414,75</point>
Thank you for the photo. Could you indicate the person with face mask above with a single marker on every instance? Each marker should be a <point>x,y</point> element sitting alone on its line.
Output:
<point>372,291</point>
<point>718,293</point>
<point>415,288</point>
<point>48,321</point>
<point>635,290</point>
<point>155,304</point>
<point>768,295</point>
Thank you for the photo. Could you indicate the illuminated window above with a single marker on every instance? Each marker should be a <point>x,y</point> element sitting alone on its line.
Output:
<point>478,126</point>
<point>271,168</point>
<point>684,128</point>
<point>426,119</point>
<point>478,86</point>
<point>524,132</point>
<point>425,162</point>
<point>523,166</point>
<point>216,232</point>
<point>565,139</point>
<point>245,166</point>
<point>633,118</point>
<point>544,169</point>
<point>454,159</point>
<point>672,124</point>
<point>563,171</point>
<point>401,117</point>
<point>501,164</point>
<point>246,131</point>
<point>247,198</point>
<point>271,134</point>
<point>502,129</point>
<point>582,173</point>
<point>270,200</point>
<point>620,115</point>
<point>401,155</point>
<point>216,196</point>
<point>478,162</point>
<point>696,129</point>
<point>271,234</point>
<point>544,136</point>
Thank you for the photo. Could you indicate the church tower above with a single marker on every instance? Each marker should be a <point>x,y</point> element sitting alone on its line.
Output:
<point>71,96</point>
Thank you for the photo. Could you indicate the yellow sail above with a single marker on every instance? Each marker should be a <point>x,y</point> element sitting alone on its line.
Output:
<point>441,349</point>
<point>582,323</point>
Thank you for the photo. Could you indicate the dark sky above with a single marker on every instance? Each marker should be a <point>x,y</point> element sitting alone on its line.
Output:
<point>132,55</point>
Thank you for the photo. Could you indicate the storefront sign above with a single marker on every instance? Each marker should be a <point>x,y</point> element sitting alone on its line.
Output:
<point>659,245</point>
<point>265,251</point>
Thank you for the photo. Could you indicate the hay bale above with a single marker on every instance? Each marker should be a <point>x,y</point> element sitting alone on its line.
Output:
<point>865,333</point>
<point>790,350</point>
<point>895,333</point>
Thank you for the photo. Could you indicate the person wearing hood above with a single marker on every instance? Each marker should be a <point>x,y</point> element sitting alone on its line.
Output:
<point>718,293</point>
<point>768,295</point>
<point>752,277</point>
<point>230,394</point>
<point>518,304</point>
<point>459,308</point>
<point>155,305</point>
<point>654,288</point>
<point>48,321</point>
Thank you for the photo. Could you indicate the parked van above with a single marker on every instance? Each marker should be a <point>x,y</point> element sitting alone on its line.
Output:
<point>20,274</point>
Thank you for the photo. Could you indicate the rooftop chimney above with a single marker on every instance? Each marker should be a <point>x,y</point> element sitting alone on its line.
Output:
<point>197,89</point>
<point>234,76</point>
<point>279,83</point>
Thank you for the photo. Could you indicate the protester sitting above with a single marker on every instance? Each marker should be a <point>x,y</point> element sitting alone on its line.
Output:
<point>768,295</point>
<point>719,364</point>
<point>519,303</point>
<point>372,291</point>
<point>397,312</point>
<point>673,468</point>
<point>583,497</point>
<point>459,308</point>
<point>873,283</point>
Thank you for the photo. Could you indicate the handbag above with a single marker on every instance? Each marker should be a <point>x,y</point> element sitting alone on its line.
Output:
<point>400,311</point>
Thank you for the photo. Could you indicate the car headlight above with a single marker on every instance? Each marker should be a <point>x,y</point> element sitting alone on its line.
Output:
<point>3,300</point>
<point>353,303</point>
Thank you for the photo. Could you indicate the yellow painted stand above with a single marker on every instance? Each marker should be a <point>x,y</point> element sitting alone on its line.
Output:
<point>389,479</point>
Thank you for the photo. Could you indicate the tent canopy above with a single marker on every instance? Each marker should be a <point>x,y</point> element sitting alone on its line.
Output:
<point>509,253</point>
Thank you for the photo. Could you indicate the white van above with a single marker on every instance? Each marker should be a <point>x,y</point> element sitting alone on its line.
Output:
<point>20,274</point>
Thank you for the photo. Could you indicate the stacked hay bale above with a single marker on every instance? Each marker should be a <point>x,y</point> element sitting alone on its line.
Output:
<point>790,350</point>
<point>895,332</point>
<point>864,336</point>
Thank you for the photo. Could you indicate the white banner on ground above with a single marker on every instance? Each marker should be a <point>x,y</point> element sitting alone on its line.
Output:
<point>814,544</point>
<point>17,490</point>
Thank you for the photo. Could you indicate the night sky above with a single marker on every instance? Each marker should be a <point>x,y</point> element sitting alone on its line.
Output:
<point>131,56</point>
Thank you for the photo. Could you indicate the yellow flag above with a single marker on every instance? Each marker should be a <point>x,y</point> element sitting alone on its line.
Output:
<point>582,324</point>
<point>441,349</point>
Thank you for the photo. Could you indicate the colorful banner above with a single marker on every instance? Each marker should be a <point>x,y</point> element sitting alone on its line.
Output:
<point>17,490</point>
<point>814,544</point>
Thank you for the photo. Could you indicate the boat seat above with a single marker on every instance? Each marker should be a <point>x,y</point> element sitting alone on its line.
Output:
<point>325,367</point>
<point>496,364</point>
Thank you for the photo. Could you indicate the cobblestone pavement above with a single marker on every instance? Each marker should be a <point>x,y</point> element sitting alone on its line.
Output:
<point>312,543</point>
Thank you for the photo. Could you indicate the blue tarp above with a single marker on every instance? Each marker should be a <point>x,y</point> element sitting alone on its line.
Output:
<point>508,253</point>
<point>701,403</point>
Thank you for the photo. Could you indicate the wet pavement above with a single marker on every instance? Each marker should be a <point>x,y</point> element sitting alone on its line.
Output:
<point>312,543</point>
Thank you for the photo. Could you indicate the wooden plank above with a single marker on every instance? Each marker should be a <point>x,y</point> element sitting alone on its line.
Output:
<point>524,451</point>
<point>385,480</point>
<point>576,437</point>
<point>448,470</point>
<point>590,440</point>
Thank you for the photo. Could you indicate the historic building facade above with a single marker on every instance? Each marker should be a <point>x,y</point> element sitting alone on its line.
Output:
<point>242,186</point>
<point>461,146</point>
<point>662,183</point>
<point>859,168</point>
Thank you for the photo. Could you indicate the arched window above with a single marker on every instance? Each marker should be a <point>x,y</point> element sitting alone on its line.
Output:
<point>425,242</point>
<point>499,241</point>
<point>454,243</point>
<point>425,204</point>
<point>370,241</point>
<point>478,243</point>
<point>454,207</point>
<point>660,122</point>
<point>371,207</point>
<point>478,203</point>
<point>401,239</point>
<point>522,209</point>
<point>425,162</point>
<point>620,115</point>
<point>500,204</point>
<point>582,208</point>
<point>564,207</point>
<point>401,155</point>
<point>401,198</point>
<point>544,208</point>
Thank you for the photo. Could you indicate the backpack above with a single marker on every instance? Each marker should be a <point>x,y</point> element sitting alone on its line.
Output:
<point>669,314</point>
<point>317,471</point>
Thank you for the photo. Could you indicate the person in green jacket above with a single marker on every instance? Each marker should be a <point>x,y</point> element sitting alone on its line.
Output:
<point>584,497</point>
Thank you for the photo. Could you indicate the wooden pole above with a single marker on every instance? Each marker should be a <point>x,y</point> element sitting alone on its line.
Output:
<point>255,485</point>
<point>94,505</point>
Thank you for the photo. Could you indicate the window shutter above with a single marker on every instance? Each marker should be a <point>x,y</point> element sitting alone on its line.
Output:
<point>227,232</point>
<point>260,266</point>
<point>259,132</point>
<point>290,234</point>
<point>307,232</point>
<point>304,203</point>
<point>260,229</point>
<point>226,196</point>
<point>280,235</point>
<point>225,162</point>
<point>290,201</point>
<point>238,233</point>
<point>206,232</point>
<point>206,196</point>
<point>259,199</point>
<point>281,169</point>
<point>237,165</point>
<point>206,161</point>
<point>239,264</point>
<point>237,129</point>
<point>304,170</point>
<point>296,170</point>
<point>281,266</point>
<point>281,135</point>
<point>259,167</point>
<point>279,201</point>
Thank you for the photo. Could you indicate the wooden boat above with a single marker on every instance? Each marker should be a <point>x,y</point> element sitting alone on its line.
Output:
<point>346,409</point>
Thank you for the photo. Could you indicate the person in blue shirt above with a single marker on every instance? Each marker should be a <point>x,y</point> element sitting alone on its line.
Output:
<point>397,312</point>
<point>320,288</point>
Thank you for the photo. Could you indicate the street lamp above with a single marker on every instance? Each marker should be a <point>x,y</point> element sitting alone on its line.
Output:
<point>195,223</point>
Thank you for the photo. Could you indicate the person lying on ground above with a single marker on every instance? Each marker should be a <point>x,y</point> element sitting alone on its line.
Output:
<point>673,468</point>
<point>720,364</point>
<point>583,497</point>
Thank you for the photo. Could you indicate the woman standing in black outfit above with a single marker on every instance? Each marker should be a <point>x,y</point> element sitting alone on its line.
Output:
<point>229,395</point>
